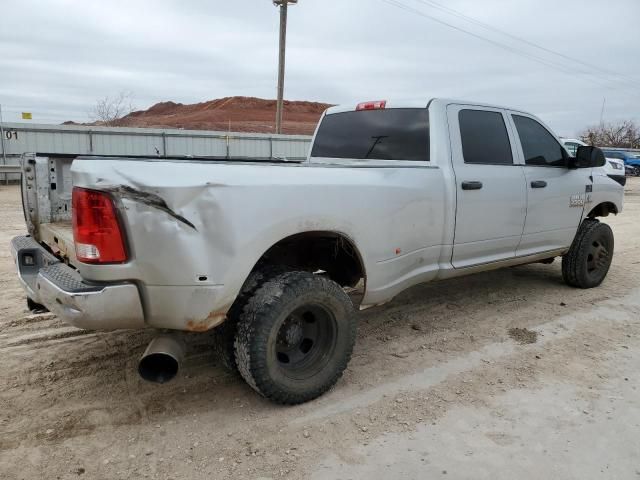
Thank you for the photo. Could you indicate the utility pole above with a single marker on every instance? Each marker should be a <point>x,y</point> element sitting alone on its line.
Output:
<point>283,4</point>
<point>604,100</point>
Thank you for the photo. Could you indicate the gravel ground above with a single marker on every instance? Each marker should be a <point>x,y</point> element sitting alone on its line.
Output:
<point>504,374</point>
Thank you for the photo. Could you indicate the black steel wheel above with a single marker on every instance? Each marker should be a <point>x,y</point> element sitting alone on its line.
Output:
<point>305,341</point>
<point>295,337</point>
<point>598,257</point>
<point>587,263</point>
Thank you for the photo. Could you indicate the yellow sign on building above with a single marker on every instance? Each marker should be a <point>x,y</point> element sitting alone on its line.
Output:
<point>26,116</point>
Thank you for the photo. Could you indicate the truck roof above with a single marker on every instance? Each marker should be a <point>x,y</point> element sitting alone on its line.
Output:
<point>413,103</point>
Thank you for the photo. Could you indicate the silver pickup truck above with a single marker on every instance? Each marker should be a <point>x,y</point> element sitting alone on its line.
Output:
<point>391,195</point>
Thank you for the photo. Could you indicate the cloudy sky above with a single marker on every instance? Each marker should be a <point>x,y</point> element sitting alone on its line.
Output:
<point>59,56</point>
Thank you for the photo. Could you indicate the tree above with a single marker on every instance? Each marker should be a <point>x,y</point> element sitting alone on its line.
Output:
<point>109,111</point>
<point>623,134</point>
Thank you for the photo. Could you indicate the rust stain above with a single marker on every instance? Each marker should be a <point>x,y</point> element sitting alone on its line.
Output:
<point>63,249</point>
<point>213,320</point>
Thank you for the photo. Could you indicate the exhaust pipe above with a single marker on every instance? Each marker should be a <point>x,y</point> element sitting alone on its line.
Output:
<point>161,360</point>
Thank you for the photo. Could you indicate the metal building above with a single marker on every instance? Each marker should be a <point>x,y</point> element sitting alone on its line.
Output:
<point>19,138</point>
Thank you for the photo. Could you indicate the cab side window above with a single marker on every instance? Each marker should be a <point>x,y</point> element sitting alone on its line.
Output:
<point>484,138</point>
<point>538,145</point>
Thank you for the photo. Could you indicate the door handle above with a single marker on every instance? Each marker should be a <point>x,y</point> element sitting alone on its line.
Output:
<point>472,185</point>
<point>538,184</point>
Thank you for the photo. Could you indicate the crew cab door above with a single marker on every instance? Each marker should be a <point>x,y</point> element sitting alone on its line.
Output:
<point>490,186</point>
<point>556,194</point>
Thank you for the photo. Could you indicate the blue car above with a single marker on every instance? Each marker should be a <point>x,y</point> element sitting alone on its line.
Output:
<point>631,159</point>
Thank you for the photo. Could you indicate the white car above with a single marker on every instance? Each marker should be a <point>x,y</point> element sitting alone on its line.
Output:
<point>613,168</point>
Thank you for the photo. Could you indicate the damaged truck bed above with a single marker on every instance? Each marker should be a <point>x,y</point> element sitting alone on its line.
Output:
<point>182,291</point>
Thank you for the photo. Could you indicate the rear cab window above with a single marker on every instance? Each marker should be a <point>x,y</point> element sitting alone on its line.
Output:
<point>383,134</point>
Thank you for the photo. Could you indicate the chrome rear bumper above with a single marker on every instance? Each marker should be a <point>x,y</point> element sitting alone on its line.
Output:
<point>57,286</point>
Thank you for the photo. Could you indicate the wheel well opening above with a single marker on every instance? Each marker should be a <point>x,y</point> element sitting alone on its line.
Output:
<point>329,252</point>
<point>603,210</point>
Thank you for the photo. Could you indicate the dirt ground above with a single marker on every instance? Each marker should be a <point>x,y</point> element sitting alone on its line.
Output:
<point>507,374</point>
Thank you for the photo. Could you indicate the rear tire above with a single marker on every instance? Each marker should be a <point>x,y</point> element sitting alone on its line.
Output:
<point>224,336</point>
<point>589,258</point>
<point>295,337</point>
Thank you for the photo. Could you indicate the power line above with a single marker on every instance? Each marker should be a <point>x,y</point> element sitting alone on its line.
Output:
<point>489,27</point>
<point>409,9</point>
<point>550,63</point>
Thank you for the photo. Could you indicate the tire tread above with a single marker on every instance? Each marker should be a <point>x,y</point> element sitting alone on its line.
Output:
<point>572,261</point>
<point>259,312</point>
<point>224,335</point>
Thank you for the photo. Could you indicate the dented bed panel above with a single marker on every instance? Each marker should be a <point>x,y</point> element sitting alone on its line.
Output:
<point>194,308</point>
<point>196,229</point>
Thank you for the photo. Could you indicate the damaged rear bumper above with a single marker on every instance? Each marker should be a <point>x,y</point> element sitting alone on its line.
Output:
<point>61,289</point>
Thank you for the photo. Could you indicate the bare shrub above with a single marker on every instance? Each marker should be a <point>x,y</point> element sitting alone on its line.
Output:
<point>623,134</point>
<point>110,111</point>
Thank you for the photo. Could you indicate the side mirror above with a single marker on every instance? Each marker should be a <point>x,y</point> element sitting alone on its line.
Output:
<point>587,157</point>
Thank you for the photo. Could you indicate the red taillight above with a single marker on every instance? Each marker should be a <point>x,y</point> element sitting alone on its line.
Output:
<point>378,104</point>
<point>96,230</point>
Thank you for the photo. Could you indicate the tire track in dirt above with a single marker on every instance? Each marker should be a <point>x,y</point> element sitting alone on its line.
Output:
<point>84,390</point>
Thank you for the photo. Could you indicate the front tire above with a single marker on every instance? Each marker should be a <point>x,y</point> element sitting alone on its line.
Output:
<point>295,337</point>
<point>589,258</point>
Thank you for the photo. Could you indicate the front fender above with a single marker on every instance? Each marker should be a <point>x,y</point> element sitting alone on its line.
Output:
<point>605,190</point>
